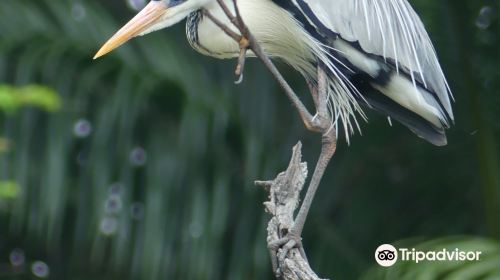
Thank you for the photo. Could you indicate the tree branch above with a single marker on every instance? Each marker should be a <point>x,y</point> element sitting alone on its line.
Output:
<point>284,195</point>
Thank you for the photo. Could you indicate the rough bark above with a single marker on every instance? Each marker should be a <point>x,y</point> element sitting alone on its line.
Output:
<point>284,195</point>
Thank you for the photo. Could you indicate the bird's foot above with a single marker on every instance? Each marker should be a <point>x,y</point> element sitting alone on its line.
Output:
<point>240,67</point>
<point>281,248</point>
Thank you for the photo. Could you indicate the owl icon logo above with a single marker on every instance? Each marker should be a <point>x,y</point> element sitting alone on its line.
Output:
<point>386,255</point>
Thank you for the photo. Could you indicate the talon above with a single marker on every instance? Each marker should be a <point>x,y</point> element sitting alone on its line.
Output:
<point>240,79</point>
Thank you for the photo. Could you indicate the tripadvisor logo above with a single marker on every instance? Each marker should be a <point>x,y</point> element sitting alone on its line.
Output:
<point>387,255</point>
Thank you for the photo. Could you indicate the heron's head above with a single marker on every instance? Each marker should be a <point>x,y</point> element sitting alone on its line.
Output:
<point>156,15</point>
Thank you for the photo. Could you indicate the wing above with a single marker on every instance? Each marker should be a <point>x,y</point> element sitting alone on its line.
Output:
<point>387,28</point>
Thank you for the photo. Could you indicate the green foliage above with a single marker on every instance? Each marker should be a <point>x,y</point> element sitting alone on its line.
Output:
<point>13,98</point>
<point>4,145</point>
<point>9,190</point>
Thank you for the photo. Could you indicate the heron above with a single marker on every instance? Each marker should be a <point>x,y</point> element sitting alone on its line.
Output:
<point>354,54</point>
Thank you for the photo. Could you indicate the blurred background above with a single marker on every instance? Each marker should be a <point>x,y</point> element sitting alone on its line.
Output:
<point>141,165</point>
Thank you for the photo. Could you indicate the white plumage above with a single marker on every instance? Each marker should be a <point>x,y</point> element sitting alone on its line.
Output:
<point>376,53</point>
<point>369,35</point>
<point>391,29</point>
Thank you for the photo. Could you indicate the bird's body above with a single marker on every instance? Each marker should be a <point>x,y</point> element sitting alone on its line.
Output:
<point>375,53</point>
<point>387,66</point>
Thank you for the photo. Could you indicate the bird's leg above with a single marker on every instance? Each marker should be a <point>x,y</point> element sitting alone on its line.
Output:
<point>322,96</point>
<point>328,147</point>
<point>321,123</point>
<point>294,236</point>
<point>313,89</point>
<point>324,124</point>
<point>244,44</point>
<point>253,45</point>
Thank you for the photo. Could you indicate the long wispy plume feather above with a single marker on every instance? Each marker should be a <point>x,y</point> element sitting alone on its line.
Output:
<point>387,28</point>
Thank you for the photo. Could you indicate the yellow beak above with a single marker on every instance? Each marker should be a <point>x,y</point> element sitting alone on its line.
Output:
<point>144,19</point>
